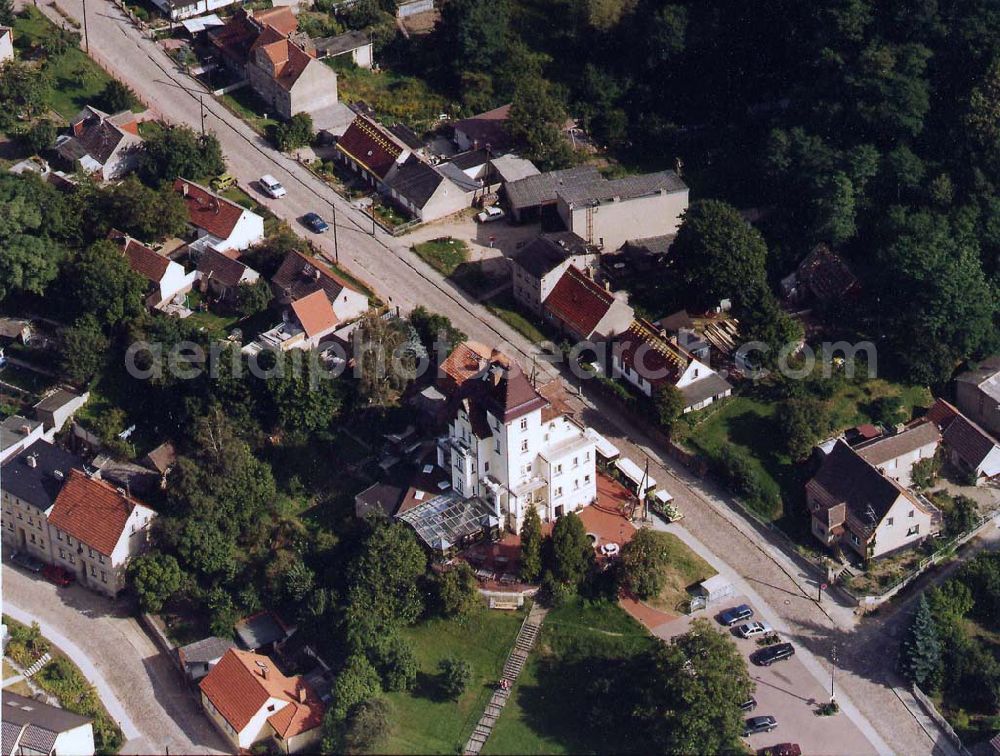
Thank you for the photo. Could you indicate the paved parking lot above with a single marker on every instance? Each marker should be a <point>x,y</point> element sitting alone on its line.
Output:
<point>790,693</point>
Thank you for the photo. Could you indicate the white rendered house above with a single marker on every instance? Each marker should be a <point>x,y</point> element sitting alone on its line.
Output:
<point>507,446</point>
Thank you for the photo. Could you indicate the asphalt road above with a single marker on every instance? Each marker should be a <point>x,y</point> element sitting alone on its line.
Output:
<point>403,280</point>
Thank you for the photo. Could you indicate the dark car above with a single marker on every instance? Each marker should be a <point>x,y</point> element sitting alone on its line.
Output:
<point>56,574</point>
<point>759,724</point>
<point>23,559</point>
<point>739,613</point>
<point>769,655</point>
<point>749,705</point>
<point>315,223</point>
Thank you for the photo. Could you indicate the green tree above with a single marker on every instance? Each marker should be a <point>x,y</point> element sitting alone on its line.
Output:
<point>358,681</point>
<point>531,546</point>
<point>116,97</point>
<point>294,133</point>
<point>572,552</point>
<point>644,562</point>
<point>670,405</point>
<point>24,90</point>
<point>305,398</point>
<point>455,675</point>
<point>40,136</point>
<point>435,329</point>
<point>963,517</point>
<point>476,33</point>
<point>28,263</point>
<point>393,658</point>
<point>719,255</point>
<point>802,422</point>
<point>535,121</point>
<point>367,727</point>
<point>6,12</point>
<point>887,410</point>
<point>458,592</point>
<point>920,655</point>
<point>136,209</point>
<point>690,692</point>
<point>83,349</point>
<point>385,353</point>
<point>100,282</point>
<point>156,578</point>
<point>171,152</point>
<point>383,581</point>
<point>252,298</point>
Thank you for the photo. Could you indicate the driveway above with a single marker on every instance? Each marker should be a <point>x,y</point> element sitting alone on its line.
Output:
<point>142,689</point>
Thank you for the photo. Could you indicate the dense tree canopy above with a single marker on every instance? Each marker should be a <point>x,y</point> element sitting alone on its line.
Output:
<point>178,152</point>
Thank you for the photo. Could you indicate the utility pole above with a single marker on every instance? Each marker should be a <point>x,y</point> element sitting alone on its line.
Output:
<point>201,99</point>
<point>336,248</point>
<point>373,215</point>
<point>833,667</point>
<point>86,36</point>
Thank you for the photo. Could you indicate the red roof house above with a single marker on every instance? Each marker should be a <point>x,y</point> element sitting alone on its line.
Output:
<point>584,309</point>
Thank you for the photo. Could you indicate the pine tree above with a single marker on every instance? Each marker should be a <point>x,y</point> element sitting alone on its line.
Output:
<point>920,658</point>
<point>531,546</point>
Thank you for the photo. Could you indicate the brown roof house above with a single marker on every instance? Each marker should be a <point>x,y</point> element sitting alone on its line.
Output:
<point>102,145</point>
<point>222,275</point>
<point>279,62</point>
<point>304,325</point>
<point>969,447</point>
<point>300,276</point>
<point>219,223</point>
<point>95,529</point>
<point>851,502</point>
<point>584,310</point>
<point>977,394</point>
<point>385,161</point>
<point>167,280</point>
<point>647,358</point>
<point>489,128</point>
<point>251,701</point>
<point>822,276</point>
<point>539,264</point>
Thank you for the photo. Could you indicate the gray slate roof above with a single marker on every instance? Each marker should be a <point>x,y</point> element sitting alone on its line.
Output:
<point>415,180</point>
<point>11,430</point>
<point>342,43</point>
<point>55,400</point>
<point>986,376</point>
<point>710,386</point>
<point>259,630</point>
<point>37,723</point>
<point>628,187</point>
<point>541,189</point>
<point>882,450</point>
<point>205,650</point>
<point>546,252</point>
<point>38,485</point>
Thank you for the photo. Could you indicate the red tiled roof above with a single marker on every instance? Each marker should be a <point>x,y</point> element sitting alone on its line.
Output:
<point>238,690</point>
<point>970,442</point>
<point>371,146</point>
<point>92,511</point>
<point>235,38</point>
<point>487,128</point>
<point>657,360</point>
<point>207,210</point>
<point>315,313</point>
<point>465,361</point>
<point>145,261</point>
<point>578,302</point>
<point>280,19</point>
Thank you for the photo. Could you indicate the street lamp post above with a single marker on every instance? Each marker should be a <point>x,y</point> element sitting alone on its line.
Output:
<point>86,36</point>
<point>336,248</point>
<point>833,667</point>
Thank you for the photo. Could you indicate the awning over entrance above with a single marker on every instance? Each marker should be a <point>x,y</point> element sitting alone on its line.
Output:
<point>634,473</point>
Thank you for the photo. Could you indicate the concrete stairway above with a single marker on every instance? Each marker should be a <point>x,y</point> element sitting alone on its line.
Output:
<point>42,661</point>
<point>511,669</point>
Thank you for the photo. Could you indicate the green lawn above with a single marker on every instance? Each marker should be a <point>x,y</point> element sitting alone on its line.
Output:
<point>748,423</point>
<point>505,308</point>
<point>444,255</point>
<point>76,79</point>
<point>544,714</point>
<point>422,721</point>
<point>684,568</point>
<point>245,103</point>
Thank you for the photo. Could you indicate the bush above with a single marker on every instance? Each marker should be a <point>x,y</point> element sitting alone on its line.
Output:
<point>455,675</point>
<point>924,472</point>
<point>116,97</point>
<point>294,133</point>
<point>886,410</point>
<point>742,478</point>
<point>367,726</point>
<point>40,136</point>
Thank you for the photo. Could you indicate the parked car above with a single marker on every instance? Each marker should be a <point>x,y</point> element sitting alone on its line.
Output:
<point>24,559</point>
<point>56,574</point>
<point>490,214</point>
<point>749,705</point>
<point>315,223</point>
<point>769,655</point>
<point>753,629</point>
<point>271,186</point>
<point>737,614</point>
<point>223,182</point>
<point>759,724</point>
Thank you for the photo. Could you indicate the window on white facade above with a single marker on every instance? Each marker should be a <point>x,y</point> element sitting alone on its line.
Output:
<point>576,484</point>
<point>524,445</point>
<point>912,513</point>
<point>586,478</point>
<point>888,522</point>
<point>458,485</point>
<point>59,534</point>
<point>93,571</point>
<point>913,531</point>
<point>559,469</point>
<point>90,551</point>
<point>20,516</point>
<point>62,554</point>
<point>558,492</point>
<point>576,461</point>
<point>524,423</point>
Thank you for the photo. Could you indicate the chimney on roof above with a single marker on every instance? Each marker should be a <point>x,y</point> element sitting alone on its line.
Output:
<point>316,274</point>
<point>184,188</point>
<point>25,429</point>
<point>32,461</point>
<point>663,334</point>
<point>302,694</point>
<point>607,286</point>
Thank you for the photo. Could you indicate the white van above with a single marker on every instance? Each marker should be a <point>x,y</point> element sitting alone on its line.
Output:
<point>272,186</point>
